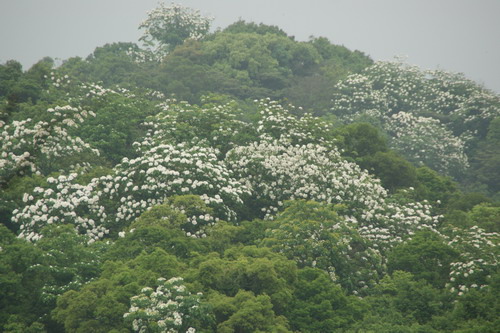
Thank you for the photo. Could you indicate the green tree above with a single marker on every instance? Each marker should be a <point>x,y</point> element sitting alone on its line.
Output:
<point>99,306</point>
<point>393,170</point>
<point>20,282</point>
<point>320,305</point>
<point>313,235</point>
<point>399,299</point>
<point>247,313</point>
<point>426,256</point>
<point>362,139</point>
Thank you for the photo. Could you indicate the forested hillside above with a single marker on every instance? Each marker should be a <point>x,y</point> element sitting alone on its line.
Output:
<point>243,181</point>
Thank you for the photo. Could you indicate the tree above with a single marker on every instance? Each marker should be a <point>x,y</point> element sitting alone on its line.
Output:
<point>362,139</point>
<point>167,27</point>
<point>313,235</point>
<point>433,117</point>
<point>28,146</point>
<point>426,256</point>
<point>321,306</point>
<point>21,285</point>
<point>108,297</point>
<point>393,171</point>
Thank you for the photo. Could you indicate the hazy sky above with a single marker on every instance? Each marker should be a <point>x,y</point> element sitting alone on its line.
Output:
<point>454,35</point>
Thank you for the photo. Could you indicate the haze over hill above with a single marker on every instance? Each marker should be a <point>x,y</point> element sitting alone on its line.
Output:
<point>453,35</point>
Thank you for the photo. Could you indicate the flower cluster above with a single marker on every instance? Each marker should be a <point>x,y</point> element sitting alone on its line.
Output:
<point>58,81</point>
<point>29,146</point>
<point>63,202</point>
<point>479,256</point>
<point>277,171</point>
<point>165,170</point>
<point>426,141</point>
<point>278,123</point>
<point>439,103</point>
<point>212,124</point>
<point>112,202</point>
<point>168,308</point>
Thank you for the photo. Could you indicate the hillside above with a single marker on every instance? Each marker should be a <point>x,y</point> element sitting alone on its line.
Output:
<point>243,181</point>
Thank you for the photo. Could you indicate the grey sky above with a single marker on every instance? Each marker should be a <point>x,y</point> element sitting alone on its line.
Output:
<point>454,35</point>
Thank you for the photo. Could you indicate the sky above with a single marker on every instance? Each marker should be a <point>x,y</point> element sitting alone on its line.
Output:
<point>452,35</point>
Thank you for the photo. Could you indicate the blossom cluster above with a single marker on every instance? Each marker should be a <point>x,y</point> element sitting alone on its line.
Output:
<point>439,103</point>
<point>168,308</point>
<point>58,81</point>
<point>479,258</point>
<point>277,171</point>
<point>426,141</point>
<point>111,202</point>
<point>278,123</point>
<point>63,202</point>
<point>212,124</point>
<point>29,146</point>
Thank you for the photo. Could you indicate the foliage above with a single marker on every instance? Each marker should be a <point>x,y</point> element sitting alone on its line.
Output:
<point>107,298</point>
<point>314,235</point>
<point>426,256</point>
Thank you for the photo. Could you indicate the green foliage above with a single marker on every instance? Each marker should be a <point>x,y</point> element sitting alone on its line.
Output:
<point>320,305</point>
<point>486,162</point>
<point>242,26</point>
<point>68,260</point>
<point>362,139</point>
<point>20,283</point>
<point>393,170</point>
<point>434,187</point>
<point>10,73</point>
<point>247,313</point>
<point>426,256</point>
<point>417,301</point>
<point>99,306</point>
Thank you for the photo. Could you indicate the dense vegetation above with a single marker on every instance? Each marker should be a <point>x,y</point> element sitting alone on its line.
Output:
<point>242,181</point>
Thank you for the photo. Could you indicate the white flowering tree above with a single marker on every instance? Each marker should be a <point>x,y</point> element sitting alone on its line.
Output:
<point>279,123</point>
<point>277,171</point>
<point>168,308</point>
<point>213,124</point>
<point>426,141</point>
<point>111,202</point>
<point>428,107</point>
<point>479,258</point>
<point>169,26</point>
<point>30,146</point>
<point>293,158</point>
